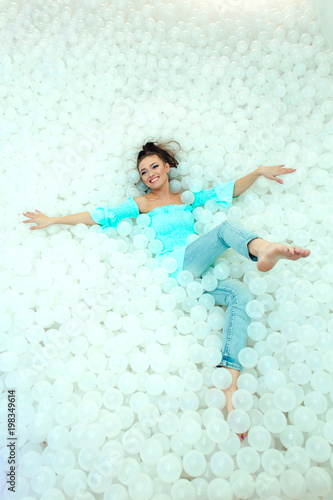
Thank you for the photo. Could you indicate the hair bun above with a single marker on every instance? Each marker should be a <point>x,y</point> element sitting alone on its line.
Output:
<point>148,146</point>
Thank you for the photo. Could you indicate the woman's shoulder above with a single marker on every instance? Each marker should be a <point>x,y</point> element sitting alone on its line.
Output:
<point>142,203</point>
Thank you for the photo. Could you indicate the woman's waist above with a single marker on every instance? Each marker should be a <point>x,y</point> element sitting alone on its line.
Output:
<point>170,244</point>
<point>174,249</point>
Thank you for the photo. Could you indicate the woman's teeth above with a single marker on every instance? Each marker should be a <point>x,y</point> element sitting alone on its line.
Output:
<point>154,180</point>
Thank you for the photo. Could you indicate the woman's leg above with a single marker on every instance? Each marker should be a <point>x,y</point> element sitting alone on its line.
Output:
<point>202,252</point>
<point>235,296</point>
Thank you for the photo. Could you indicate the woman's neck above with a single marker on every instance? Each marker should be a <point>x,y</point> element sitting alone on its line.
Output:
<point>162,194</point>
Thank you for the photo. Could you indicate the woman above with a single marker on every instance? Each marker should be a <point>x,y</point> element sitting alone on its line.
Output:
<point>173,222</point>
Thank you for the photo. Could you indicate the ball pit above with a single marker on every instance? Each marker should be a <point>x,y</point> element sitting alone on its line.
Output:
<point>114,361</point>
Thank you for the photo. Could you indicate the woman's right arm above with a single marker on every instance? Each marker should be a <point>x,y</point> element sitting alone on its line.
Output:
<point>43,220</point>
<point>103,216</point>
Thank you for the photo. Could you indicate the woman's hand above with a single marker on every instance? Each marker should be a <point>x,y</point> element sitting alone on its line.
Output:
<point>272,172</point>
<point>39,218</point>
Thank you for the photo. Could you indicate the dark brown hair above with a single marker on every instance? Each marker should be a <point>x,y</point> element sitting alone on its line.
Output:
<point>161,149</point>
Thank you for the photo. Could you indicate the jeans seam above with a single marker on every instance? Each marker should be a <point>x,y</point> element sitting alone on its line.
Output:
<point>228,339</point>
<point>220,237</point>
<point>229,335</point>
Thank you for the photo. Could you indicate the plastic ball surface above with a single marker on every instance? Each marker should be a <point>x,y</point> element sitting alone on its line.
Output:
<point>239,421</point>
<point>169,468</point>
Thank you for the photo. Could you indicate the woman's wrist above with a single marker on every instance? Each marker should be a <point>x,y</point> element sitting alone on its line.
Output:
<point>52,220</point>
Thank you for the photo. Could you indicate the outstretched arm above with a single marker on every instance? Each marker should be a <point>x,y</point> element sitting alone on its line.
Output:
<point>271,173</point>
<point>43,220</point>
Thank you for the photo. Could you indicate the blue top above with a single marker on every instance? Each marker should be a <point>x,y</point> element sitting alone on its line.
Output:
<point>172,223</point>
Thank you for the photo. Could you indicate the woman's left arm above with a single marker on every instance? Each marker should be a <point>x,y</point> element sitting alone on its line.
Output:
<point>271,173</point>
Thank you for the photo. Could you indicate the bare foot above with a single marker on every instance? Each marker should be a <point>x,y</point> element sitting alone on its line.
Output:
<point>269,253</point>
<point>228,394</point>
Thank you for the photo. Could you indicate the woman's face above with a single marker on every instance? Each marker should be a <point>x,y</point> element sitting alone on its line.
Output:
<point>153,171</point>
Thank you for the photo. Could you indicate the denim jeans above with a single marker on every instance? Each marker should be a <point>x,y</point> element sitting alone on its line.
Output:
<point>199,255</point>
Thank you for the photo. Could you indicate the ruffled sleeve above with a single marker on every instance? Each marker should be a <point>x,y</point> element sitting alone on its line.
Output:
<point>221,193</point>
<point>110,217</point>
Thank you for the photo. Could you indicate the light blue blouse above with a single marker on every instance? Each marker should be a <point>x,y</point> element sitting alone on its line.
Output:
<point>172,223</point>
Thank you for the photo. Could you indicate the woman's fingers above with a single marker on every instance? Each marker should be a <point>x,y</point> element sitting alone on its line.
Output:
<point>38,218</point>
<point>272,172</point>
<point>287,170</point>
<point>273,177</point>
<point>282,169</point>
<point>31,218</point>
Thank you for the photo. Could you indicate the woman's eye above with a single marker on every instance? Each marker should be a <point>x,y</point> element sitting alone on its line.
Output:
<point>143,171</point>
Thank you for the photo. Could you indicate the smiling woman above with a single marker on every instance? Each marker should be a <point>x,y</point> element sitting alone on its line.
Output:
<point>172,219</point>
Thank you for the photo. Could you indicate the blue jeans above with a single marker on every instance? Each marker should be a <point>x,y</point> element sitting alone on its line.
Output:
<point>199,255</point>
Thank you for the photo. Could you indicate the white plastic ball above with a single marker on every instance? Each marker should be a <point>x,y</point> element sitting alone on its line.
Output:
<point>216,486</point>
<point>248,459</point>
<point>43,479</point>
<point>169,468</point>
<point>248,357</point>
<point>304,419</point>
<point>242,399</point>
<point>194,463</point>
<point>218,429</point>
<point>239,421</point>
<point>222,464</point>
<point>319,481</point>
<point>318,449</point>
<point>273,462</point>
<point>242,484</point>
<point>292,483</point>
<point>140,487</point>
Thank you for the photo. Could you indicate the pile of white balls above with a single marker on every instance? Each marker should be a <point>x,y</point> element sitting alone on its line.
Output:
<point>113,361</point>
